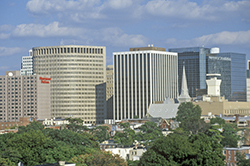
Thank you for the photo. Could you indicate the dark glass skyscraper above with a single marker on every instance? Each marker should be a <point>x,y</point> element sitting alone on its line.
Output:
<point>200,61</point>
<point>238,75</point>
<point>221,65</point>
<point>195,64</point>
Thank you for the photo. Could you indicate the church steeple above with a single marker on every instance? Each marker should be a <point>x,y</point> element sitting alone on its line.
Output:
<point>184,96</point>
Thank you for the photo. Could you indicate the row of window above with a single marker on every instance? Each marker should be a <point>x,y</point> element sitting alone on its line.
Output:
<point>68,50</point>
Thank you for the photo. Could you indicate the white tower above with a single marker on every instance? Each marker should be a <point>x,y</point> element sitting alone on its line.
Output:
<point>184,96</point>
<point>213,85</point>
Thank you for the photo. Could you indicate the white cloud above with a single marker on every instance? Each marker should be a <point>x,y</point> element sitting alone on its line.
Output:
<point>117,37</point>
<point>7,51</point>
<point>112,35</point>
<point>80,10</point>
<point>119,4</point>
<point>241,38</point>
<point>47,6</point>
<point>225,38</point>
<point>39,30</point>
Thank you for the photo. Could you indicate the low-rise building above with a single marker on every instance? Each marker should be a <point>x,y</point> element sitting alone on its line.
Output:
<point>108,144</point>
<point>136,153</point>
<point>55,122</point>
<point>230,154</point>
<point>123,152</point>
<point>23,121</point>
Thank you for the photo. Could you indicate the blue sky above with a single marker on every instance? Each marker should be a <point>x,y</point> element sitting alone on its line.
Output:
<point>121,24</point>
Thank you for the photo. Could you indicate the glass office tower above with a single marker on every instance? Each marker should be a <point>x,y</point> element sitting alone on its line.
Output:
<point>200,61</point>
<point>238,75</point>
<point>221,65</point>
<point>195,64</point>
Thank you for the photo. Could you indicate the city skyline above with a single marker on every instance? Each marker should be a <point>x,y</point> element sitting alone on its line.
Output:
<point>121,24</point>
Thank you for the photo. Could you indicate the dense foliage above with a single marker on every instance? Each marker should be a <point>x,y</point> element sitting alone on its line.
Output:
<point>149,132</point>
<point>193,143</point>
<point>189,117</point>
<point>98,158</point>
<point>174,149</point>
<point>33,145</point>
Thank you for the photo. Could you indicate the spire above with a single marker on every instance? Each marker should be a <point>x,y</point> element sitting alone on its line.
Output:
<point>184,96</point>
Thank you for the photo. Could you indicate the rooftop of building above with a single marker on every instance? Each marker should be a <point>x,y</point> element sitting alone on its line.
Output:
<point>150,47</point>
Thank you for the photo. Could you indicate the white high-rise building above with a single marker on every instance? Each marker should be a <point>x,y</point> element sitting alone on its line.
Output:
<point>78,76</point>
<point>141,77</point>
<point>27,64</point>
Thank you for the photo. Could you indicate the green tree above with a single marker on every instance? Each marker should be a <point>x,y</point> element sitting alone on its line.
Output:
<point>198,149</point>
<point>150,132</point>
<point>6,162</point>
<point>230,137</point>
<point>218,120</point>
<point>32,126</point>
<point>98,158</point>
<point>76,125</point>
<point>125,125</point>
<point>168,151</point>
<point>81,141</point>
<point>189,116</point>
<point>241,161</point>
<point>101,133</point>
<point>187,110</point>
<point>126,137</point>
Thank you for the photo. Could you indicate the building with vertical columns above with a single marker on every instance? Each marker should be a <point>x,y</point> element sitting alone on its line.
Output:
<point>142,77</point>
<point>78,76</point>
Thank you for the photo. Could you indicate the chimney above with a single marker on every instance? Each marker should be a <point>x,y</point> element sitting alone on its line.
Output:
<point>236,118</point>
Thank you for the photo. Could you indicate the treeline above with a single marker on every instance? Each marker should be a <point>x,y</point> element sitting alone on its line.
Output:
<point>34,145</point>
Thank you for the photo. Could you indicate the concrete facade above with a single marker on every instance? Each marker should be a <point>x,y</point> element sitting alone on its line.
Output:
<point>109,91</point>
<point>24,96</point>
<point>78,76</point>
<point>141,78</point>
<point>27,64</point>
<point>23,121</point>
<point>218,105</point>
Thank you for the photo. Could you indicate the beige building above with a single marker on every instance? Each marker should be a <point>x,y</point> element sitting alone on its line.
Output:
<point>213,104</point>
<point>218,105</point>
<point>78,76</point>
<point>24,96</point>
<point>109,91</point>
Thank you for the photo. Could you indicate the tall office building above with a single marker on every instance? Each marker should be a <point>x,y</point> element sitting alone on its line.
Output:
<point>222,66</point>
<point>78,76</point>
<point>27,64</point>
<point>200,61</point>
<point>238,75</point>
<point>24,96</point>
<point>109,91</point>
<point>195,65</point>
<point>141,77</point>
